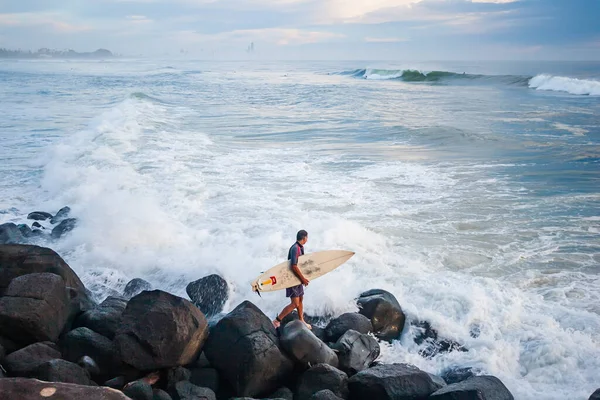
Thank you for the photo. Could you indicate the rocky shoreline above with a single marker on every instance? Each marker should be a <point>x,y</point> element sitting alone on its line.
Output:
<point>57,343</point>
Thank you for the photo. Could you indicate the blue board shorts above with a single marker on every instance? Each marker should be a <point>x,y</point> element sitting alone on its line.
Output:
<point>295,291</point>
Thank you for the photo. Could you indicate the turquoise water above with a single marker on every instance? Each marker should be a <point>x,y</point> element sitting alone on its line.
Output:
<point>469,190</point>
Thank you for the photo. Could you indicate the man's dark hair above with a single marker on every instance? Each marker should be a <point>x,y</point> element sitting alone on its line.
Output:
<point>301,235</point>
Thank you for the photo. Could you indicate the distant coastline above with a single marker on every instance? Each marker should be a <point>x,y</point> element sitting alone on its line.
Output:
<point>51,53</point>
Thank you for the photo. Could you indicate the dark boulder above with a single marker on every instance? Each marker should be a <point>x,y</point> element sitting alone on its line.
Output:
<point>243,347</point>
<point>384,311</point>
<point>19,259</point>
<point>322,377</point>
<point>90,365</point>
<point>200,362</point>
<point>475,388</point>
<point>160,394</point>
<point>104,318</point>
<point>282,393</point>
<point>85,342</point>
<point>304,347</point>
<point>26,361</point>
<point>392,382</point>
<point>116,382</point>
<point>185,390</point>
<point>457,374</point>
<point>135,287</point>
<point>25,230</point>
<point>139,390</point>
<point>66,225</point>
<point>62,371</point>
<point>34,308</point>
<point>325,395</point>
<point>37,225</point>
<point>160,330</point>
<point>62,214</point>
<point>209,294</point>
<point>22,388</point>
<point>10,233</point>
<point>356,351</point>
<point>315,322</point>
<point>177,374</point>
<point>205,377</point>
<point>39,215</point>
<point>340,325</point>
<point>8,345</point>
<point>595,395</point>
<point>434,345</point>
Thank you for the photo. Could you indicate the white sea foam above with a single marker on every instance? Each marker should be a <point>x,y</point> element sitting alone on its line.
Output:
<point>565,84</point>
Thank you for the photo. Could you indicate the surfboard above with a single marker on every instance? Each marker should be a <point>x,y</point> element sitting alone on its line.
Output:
<point>312,265</point>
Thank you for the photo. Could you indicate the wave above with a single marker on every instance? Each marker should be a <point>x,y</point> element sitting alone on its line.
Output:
<point>565,84</point>
<point>144,97</point>
<point>413,75</point>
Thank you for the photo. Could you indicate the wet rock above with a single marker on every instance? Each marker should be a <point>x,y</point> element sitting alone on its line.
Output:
<point>26,361</point>
<point>135,287</point>
<point>322,377</point>
<point>384,311</point>
<point>434,344</point>
<point>595,395</point>
<point>209,294</point>
<point>19,259</point>
<point>457,374</point>
<point>105,318</point>
<point>62,214</point>
<point>139,390</point>
<point>205,377</point>
<point>314,321</point>
<point>22,388</point>
<point>39,215</point>
<point>243,347</point>
<point>62,371</point>
<point>477,387</point>
<point>10,233</point>
<point>37,225</point>
<point>148,319</point>
<point>25,230</point>
<point>66,225</point>
<point>391,382</point>
<point>340,325</point>
<point>304,347</point>
<point>85,342</point>
<point>325,395</point>
<point>356,351</point>
<point>88,364</point>
<point>34,308</point>
<point>185,390</point>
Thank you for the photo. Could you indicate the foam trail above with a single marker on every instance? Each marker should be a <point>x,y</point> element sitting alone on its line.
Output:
<point>565,84</point>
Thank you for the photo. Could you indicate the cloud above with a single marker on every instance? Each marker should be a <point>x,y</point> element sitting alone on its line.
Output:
<point>54,21</point>
<point>385,40</point>
<point>279,36</point>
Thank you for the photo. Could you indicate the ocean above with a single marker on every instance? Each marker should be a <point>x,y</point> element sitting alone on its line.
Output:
<point>470,190</point>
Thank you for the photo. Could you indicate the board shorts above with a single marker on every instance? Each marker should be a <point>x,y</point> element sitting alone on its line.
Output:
<point>295,291</point>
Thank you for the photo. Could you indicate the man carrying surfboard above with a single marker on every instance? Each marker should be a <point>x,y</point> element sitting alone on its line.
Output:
<point>295,293</point>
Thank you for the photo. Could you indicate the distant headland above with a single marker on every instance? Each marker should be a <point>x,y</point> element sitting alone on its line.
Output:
<point>50,53</point>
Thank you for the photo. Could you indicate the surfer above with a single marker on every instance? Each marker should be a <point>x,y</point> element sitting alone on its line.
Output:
<point>295,293</point>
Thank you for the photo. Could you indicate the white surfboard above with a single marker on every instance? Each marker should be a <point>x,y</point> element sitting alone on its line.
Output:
<point>312,265</point>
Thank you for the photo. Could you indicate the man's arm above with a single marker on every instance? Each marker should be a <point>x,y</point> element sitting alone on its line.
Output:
<point>294,266</point>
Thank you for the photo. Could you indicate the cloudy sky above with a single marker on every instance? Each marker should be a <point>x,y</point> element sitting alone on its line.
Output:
<point>310,29</point>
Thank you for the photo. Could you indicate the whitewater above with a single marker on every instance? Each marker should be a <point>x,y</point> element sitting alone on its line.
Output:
<point>468,190</point>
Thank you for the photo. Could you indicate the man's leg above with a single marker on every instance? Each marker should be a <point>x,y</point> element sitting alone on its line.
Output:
<point>295,301</point>
<point>301,311</point>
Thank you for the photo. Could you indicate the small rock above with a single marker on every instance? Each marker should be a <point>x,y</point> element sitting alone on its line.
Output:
<point>304,347</point>
<point>22,388</point>
<point>390,382</point>
<point>116,383</point>
<point>184,390</point>
<point>85,342</point>
<point>10,234</point>
<point>160,394</point>
<point>356,351</point>
<point>135,287</point>
<point>138,390</point>
<point>205,377</point>
<point>62,371</point>
<point>282,393</point>
<point>88,364</point>
<point>105,318</point>
<point>26,361</point>
<point>148,319</point>
<point>456,374</point>
<point>322,377</point>
<point>66,225</point>
<point>39,215</point>
<point>60,215</point>
<point>434,345</point>
<point>243,347</point>
<point>483,387</point>
<point>37,225</point>
<point>325,395</point>
<point>35,308</point>
<point>209,294</point>
<point>384,311</point>
<point>340,325</point>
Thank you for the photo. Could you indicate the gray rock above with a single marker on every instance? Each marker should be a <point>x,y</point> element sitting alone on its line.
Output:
<point>22,388</point>
<point>66,225</point>
<point>26,361</point>
<point>139,390</point>
<point>322,377</point>
<point>384,311</point>
<point>62,214</point>
<point>325,395</point>
<point>356,351</point>
<point>282,393</point>
<point>483,387</point>
<point>209,294</point>
<point>90,365</point>
<point>62,371</point>
<point>10,234</point>
<point>104,318</point>
<point>304,347</point>
<point>85,342</point>
<point>39,215</point>
<point>161,395</point>
<point>184,390</point>
<point>135,287</point>
<point>340,325</point>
